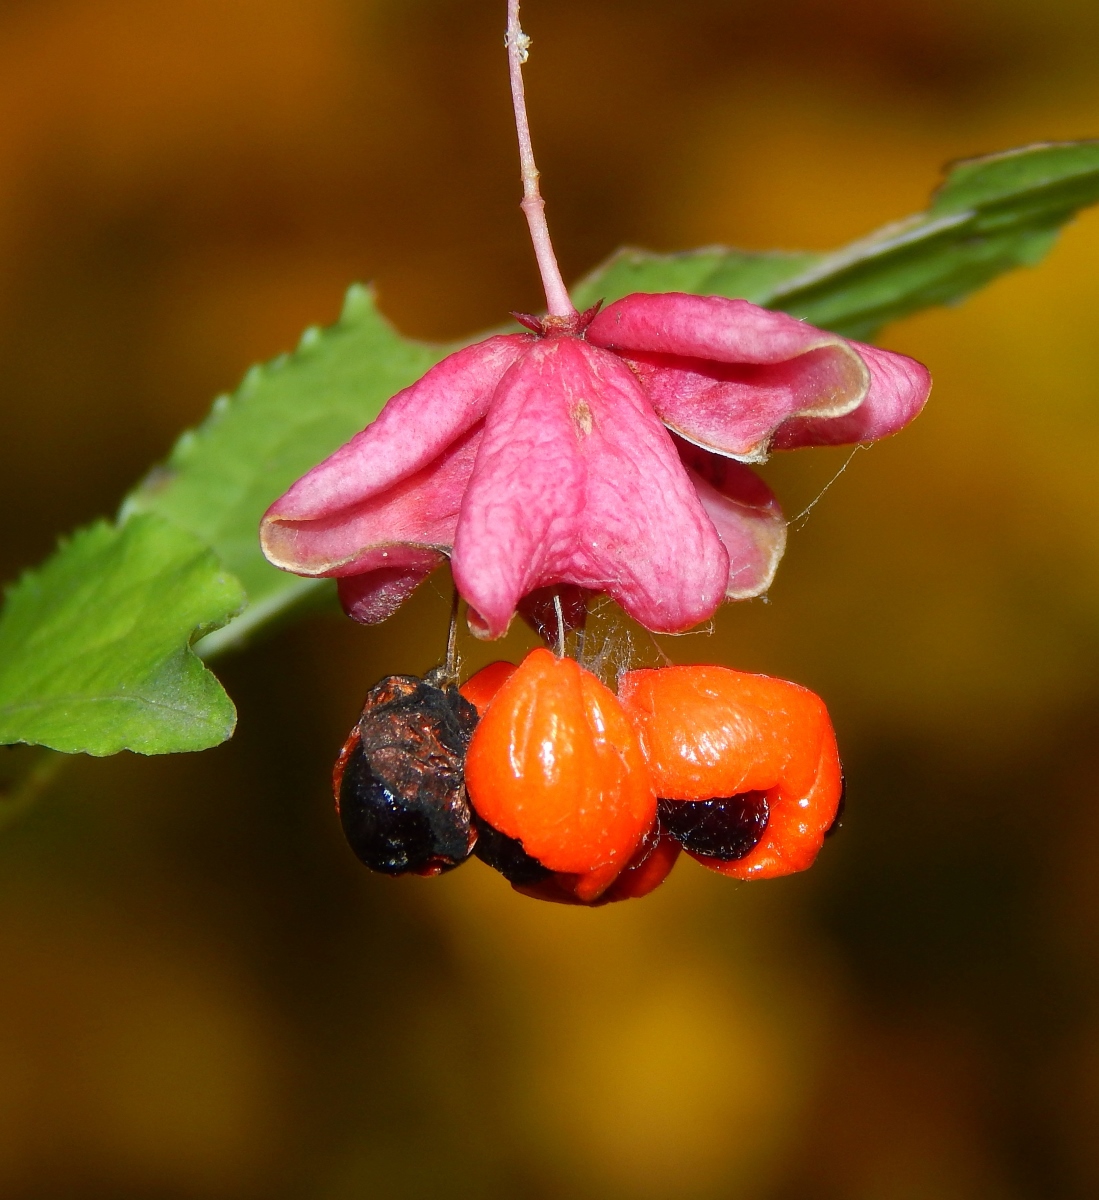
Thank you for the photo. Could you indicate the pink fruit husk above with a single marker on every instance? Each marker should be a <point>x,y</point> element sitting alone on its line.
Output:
<point>606,453</point>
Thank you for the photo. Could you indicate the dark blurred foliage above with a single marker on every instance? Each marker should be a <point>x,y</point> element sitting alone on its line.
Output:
<point>202,994</point>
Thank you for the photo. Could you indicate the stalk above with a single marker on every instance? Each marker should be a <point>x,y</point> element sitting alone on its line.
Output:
<point>534,207</point>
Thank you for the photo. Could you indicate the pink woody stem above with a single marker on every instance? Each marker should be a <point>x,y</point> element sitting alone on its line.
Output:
<point>533,206</point>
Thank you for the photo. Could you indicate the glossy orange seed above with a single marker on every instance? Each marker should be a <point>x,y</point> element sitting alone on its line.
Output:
<point>709,732</point>
<point>556,764</point>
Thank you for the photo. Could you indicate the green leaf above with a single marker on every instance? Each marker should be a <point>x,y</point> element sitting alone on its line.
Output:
<point>95,650</point>
<point>283,419</point>
<point>990,215</point>
<point>714,271</point>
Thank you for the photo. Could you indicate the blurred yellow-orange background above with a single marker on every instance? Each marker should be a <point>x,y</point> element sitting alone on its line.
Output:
<point>201,994</point>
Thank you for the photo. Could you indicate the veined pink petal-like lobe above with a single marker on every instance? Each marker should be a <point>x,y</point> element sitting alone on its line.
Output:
<point>746,515</point>
<point>412,430</point>
<point>725,374</point>
<point>420,511</point>
<point>376,594</point>
<point>714,328</point>
<point>899,388</point>
<point>577,481</point>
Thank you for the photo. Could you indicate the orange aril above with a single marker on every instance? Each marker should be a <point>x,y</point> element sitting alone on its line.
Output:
<point>480,689</point>
<point>556,764</point>
<point>710,732</point>
<point>644,873</point>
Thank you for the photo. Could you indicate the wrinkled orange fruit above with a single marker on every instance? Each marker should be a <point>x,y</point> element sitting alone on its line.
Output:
<point>710,732</point>
<point>556,764</point>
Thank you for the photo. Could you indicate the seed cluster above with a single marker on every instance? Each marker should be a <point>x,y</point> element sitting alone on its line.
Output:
<point>581,796</point>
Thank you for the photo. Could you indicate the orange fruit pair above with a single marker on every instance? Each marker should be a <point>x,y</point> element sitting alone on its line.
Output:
<point>583,796</point>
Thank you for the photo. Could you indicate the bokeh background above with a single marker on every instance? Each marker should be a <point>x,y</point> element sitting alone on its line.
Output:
<point>201,994</point>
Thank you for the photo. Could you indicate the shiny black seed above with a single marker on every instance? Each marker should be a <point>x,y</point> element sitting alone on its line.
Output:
<point>402,796</point>
<point>837,820</point>
<point>506,855</point>
<point>726,828</point>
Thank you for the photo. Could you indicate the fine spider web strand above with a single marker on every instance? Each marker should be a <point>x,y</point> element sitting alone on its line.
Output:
<point>452,637</point>
<point>580,640</point>
<point>599,644</point>
<point>579,634</point>
<point>618,648</point>
<point>611,647</point>
<point>797,524</point>
<point>660,649</point>
<point>533,206</point>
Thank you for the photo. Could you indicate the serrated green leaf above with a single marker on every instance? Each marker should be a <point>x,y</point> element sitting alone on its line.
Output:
<point>95,650</point>
<point>990,215</point>
<point>283,419</point>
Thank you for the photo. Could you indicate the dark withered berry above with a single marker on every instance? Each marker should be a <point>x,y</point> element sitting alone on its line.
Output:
<point>506,855</point>
<point>841,808</point>
<point>400,783</point>
<point>725,828</point>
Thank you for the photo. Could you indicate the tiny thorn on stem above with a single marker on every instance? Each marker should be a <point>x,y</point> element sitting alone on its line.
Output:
<point>533,206</point>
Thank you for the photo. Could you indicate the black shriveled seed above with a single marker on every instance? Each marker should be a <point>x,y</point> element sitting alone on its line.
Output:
<point>506,855</point>
<point>837,820</point>
<point>402,795</point>
<point>725,828</point>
